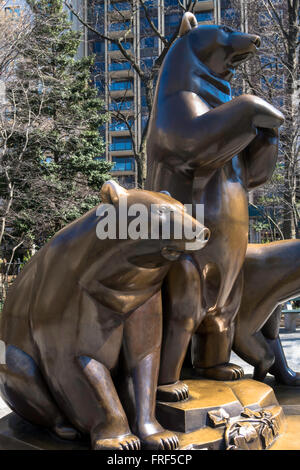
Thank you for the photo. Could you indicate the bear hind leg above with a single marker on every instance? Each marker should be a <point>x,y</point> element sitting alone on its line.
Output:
<point>254,349</point>
<point>25,391</point>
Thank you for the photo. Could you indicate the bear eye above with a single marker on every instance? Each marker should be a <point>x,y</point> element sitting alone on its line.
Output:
<point>160,209</point>
<point>163,210</point>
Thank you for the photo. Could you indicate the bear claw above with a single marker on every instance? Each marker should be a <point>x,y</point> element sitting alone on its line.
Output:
<point>177,391</point>
<point>128,442</point>
<point>222,372</point>
<point>165,440</point>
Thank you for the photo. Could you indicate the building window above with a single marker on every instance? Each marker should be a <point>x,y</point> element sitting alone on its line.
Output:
<point>119,26</point>
<point>149,42</point>
<point>121,106</point>
<point>151,3</point>
<point>114,47</point>
<point>114,66</point>
<point>205,16</point>
<point>99,9</point>
<point>124,85</point>
<point>170,3</point>
<point>171,20</point>
<point>119,125</point>
<point>119,6</point>
<point>120,144</point>
<point>147,63</point>
<point>99,84</point>
<point>123,164</point>
<point>99,67</point>
<point>98,47</point>
<point>145,26</point>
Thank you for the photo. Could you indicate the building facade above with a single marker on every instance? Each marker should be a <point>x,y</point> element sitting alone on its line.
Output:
<point>142,32</point>
<point>142,28</point>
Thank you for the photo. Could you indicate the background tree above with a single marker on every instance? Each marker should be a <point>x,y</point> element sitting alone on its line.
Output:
<point>51,167</point>
<point>274,75</point>
<point>145,69</point>
<point>14,25</point>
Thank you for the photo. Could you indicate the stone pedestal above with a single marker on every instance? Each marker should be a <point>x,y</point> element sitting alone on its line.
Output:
<point>17,434</point>
<point>217,415</point>
<point>198,420</point>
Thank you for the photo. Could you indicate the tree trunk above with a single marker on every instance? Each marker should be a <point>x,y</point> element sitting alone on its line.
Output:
<point>290,219</point>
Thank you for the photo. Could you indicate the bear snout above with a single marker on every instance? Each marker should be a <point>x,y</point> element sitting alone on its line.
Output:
<point>256,40</point>
<point>244,46</point>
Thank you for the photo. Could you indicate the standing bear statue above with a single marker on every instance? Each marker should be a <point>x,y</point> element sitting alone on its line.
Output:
<point>206,148</point>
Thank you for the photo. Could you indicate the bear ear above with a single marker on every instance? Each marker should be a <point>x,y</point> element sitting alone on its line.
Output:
<point>111,191</point>
<point>188,22</point>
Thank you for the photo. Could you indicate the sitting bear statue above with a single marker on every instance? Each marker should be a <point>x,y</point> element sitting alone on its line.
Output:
<point>79,303</point>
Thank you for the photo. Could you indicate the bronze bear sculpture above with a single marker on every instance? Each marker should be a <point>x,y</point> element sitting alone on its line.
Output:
<point>271,277</point>
<point>71,310</point>
<point>204,147</point>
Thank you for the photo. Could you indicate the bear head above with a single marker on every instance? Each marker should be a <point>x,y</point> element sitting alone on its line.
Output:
<point>218,47</point>
<point>158,223</point>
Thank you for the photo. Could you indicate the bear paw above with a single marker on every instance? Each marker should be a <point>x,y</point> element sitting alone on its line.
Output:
<point>286,377</point>
<point>176,391</point>
<point>127,442</point>
<point>164,440</point>
<point>221,372</point>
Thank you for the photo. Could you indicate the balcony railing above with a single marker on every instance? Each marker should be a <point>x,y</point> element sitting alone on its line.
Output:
<point>171,20</point>
<point>123,164</point>
<point>119,26</point>
<point>115,86</point>
<point>120,146</point>
<point>123,106</point>
<point>169,3</point>
<point>113,66</point>
<point>118,126</point>
<point>113,47</point>
<point>205,16</point>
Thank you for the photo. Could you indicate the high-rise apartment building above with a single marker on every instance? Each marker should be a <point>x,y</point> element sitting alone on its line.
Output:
<point>10,11</point>
<point>115,77</point>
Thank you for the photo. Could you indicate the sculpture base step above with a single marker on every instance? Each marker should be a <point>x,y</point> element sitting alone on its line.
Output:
<point>207,398</point>
<point>220,415</point>
<point>18,434</point>
<point>288,396</point>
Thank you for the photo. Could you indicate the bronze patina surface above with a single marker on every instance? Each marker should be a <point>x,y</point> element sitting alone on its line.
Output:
<point>206,148</point>
<point>271,277</point>
<point>88,334</point>
<point>243,414</point>
<point>73,308</point>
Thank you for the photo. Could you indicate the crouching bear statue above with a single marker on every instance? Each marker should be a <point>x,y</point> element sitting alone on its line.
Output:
<point>205,147</point>
<point>74,307</point>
